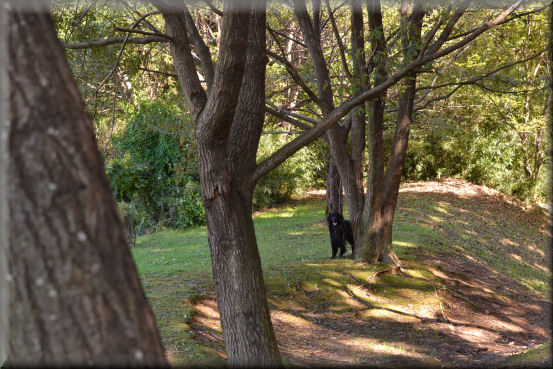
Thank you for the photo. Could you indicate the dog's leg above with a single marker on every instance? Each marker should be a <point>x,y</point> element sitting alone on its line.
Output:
<point>334,250</point>
<point>342,249</point>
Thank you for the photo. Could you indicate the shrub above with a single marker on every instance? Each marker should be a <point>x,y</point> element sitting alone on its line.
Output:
<point>304,170</point>
<point>154,170</point>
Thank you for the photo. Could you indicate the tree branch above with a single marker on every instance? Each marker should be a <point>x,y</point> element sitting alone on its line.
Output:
<point>339,112</point>
<point>502,22</point>
<point>295,75</point>
<point>139,31</point>
<point>159,72</point>
<point>478,78</point>
<point>285,116</point>
<point>341,47</point>
<point>202,49</point>
<point>175,23</point>
<point>449,27</point>
<point>119,55</point>
<point>115,40</point>
<point>286,36</point>
<point>213,8</point>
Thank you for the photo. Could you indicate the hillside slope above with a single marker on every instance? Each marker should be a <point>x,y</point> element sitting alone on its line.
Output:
<point>473,289</point>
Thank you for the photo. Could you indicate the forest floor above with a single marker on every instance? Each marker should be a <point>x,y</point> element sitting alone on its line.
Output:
<point>474,287</point>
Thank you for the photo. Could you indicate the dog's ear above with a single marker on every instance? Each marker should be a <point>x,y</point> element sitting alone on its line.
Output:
<point>341,217</point>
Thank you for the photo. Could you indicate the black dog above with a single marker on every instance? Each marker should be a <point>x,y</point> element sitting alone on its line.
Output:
<point>340,232</point>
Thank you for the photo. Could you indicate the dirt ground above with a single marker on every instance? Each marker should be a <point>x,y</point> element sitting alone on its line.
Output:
<point>484,314</point>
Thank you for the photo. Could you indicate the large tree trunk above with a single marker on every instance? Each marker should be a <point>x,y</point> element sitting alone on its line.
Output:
<point>227,128</point>
<point>411,36</point>
<point>75,294</point>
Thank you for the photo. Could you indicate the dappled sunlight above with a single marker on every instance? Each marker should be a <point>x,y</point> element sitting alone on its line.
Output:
<point>435,218</point>
<point>508,242</point>
<point>475,335</point>
<point>516,257</point>
<point>302,325</point>
<point>158,250</point>
<point>332,282</point>
<point>403,244</point>
<point>465,291</point>
<point>386,314</point>
<point>374,346</point>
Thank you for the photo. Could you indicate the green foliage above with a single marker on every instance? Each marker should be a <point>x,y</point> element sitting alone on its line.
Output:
<point>492,133</point>
<point>154,171</point>
<point>304,170</point>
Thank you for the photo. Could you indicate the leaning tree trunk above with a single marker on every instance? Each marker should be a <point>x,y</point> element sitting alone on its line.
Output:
<point>411,37</point>
<point>75,294</point>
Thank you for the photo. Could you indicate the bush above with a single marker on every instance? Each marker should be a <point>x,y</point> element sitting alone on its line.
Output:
<point>490,155</point>
<point>154,171</point>
<point>130,220</point>
<point>304,170</point>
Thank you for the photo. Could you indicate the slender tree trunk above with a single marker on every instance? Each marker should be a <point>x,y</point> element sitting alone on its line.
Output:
<point>75,294</point>
<point>411,36</point>
<point>358,115</point>
<point>334,193</point>
<point>370,224</point>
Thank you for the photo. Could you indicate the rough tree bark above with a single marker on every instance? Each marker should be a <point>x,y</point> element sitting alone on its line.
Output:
<point>334,193</point>
<point>370,223</point>
<point>411,36</point>
<point>228,126</point>
<point>75,294</point>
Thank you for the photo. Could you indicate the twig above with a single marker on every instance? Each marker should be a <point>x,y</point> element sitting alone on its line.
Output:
<point>282,132</point>
<point>141,32</point>
<point>441,307</point>
<point>119,55</point>
<point>158,71</point>
<point>115,40</point>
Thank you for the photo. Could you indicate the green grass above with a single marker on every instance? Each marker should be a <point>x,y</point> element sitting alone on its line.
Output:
<point>175,269</point>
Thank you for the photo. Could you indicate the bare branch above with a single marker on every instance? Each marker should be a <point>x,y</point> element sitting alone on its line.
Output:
<point>288,117</point>
<point>449,27</point>
<point>341,47</point>
<point>139,31</point>
<point>486,75</point>
<point>115,40</point>
<point>286,36</point>
<point>213,8</point>
<point>295,75</point>
<point>430,35</point>
<point>118,60</point>
<point>202,49</point>
<point>175,23</point>
<point>158,72</point>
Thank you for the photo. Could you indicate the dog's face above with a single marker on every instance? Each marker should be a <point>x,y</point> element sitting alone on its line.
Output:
<point>335,219</point>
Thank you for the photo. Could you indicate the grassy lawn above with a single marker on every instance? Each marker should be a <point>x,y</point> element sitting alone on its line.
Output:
<point>302,281</point>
